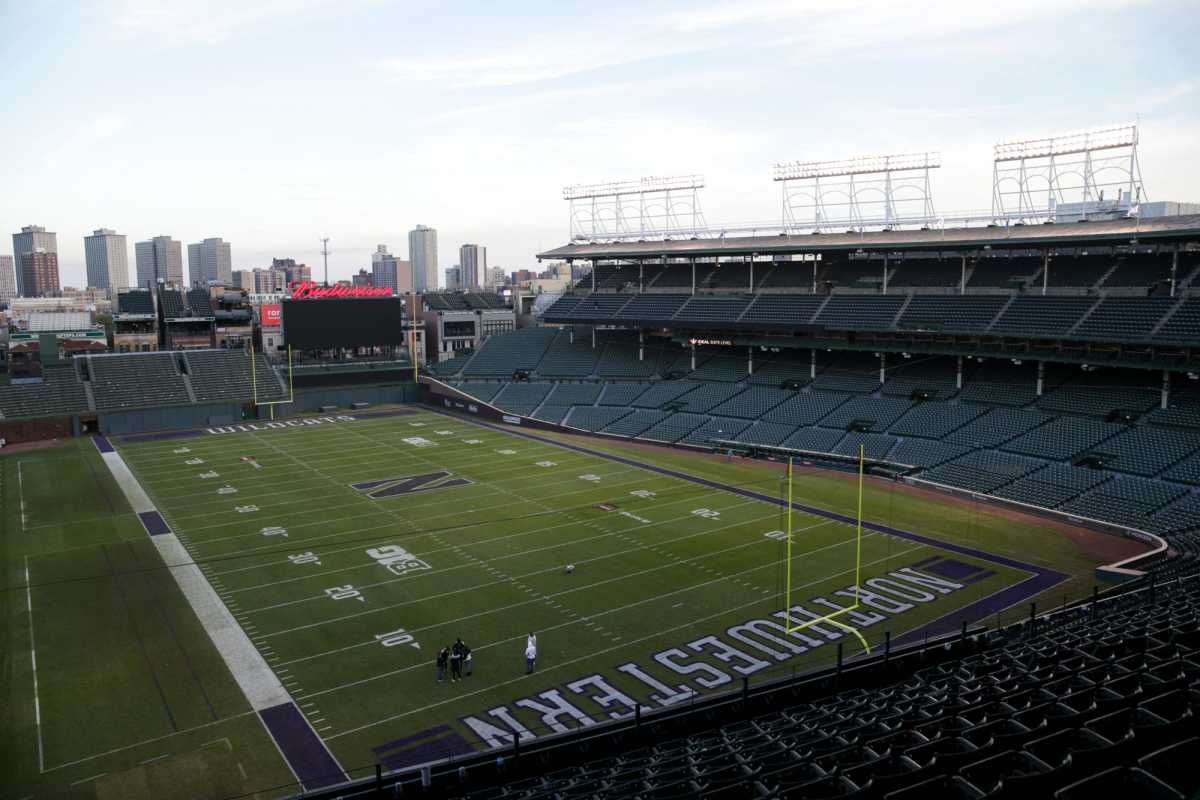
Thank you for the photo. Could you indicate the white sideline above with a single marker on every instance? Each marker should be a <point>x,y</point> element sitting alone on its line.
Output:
<point>253,676</point>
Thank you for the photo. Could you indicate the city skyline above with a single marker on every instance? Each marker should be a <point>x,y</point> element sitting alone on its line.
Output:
<point>505,123</point>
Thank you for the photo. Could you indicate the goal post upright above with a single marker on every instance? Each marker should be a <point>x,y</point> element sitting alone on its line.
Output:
<point>832,617</point>
<point>291,398</point>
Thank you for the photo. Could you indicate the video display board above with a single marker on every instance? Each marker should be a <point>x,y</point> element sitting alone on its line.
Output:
<point>334,323</point>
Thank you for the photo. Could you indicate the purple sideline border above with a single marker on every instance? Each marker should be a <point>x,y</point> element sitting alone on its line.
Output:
<point>1040,579</point>
<point>301,747</point>
<point>103,444</point>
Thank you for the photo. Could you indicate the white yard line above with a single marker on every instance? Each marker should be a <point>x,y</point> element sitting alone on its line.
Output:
<point>550,597</point>
<point>37,703</point>
<point>584,658</point>
<point>149,741</point>
<point>455,548</point>
<point>21,496</point>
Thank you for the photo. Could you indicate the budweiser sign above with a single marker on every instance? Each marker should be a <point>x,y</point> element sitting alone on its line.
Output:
<point>311,290</point>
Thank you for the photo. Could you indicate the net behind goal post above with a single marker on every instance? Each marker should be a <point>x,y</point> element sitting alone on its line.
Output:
<point>791,624</point>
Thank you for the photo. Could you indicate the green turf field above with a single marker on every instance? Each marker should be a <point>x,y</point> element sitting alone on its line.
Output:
<point>349,591</point>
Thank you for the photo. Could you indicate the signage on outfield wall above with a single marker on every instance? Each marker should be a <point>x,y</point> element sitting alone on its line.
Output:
<point>511,420</point>
<point>311,290</point>
<point>712,342</point>
<point>270,315</point>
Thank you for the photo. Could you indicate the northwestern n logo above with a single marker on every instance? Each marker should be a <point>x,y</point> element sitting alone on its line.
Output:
<point>410,484</point>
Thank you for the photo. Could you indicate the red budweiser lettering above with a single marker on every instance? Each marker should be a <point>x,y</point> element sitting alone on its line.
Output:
<point>311,290</point>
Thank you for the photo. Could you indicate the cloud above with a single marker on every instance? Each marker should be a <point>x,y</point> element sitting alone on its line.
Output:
<point>191,22</point>
<point>805,29</point>
<point>83,140</point>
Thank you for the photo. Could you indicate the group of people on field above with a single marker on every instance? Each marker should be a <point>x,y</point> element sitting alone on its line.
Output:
<point>457,659</point>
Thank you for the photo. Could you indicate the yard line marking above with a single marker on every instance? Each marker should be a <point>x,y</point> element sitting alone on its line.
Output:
<point>572,614</point>
<point>147,741</point>
<point>37,704</point>
<point>625,576</point>
<point>154,758</point>
<point>21,496</point>
<point>588,657</point>
<point>88,780</point>
<point>502,558</point>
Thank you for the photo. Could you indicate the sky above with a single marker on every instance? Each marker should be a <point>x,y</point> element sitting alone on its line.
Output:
<point>273,123</point>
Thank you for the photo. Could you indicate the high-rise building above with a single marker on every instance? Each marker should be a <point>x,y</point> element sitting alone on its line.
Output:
<point>381,252</point>
<point>394,273</point>
<point>454,277</point>
<point>8,279</point>
<point>496,279</point>
<point>422,252</point>
<point>362,279</point>
<point>473,259</point>
<point>243,279</point>
<point>293,272</point>
<point>107,258</point>
<point>31,238</point>
<point>38,274</point>
<point>159,260</point>
<point>210,262</point>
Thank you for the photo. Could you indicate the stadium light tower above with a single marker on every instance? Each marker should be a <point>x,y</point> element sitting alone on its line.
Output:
<point>325,255</point>
<point>654,207</point>
<point>1064,177</point>
<point>858,193</point>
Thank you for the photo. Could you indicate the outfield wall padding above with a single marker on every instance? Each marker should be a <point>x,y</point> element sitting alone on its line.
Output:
<point>169,418</point>
<point>15,431</point>
<point>312,399</point>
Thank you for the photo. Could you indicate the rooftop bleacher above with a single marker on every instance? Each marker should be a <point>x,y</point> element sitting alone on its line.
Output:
<point>135,301</point>
<point>198,303</point>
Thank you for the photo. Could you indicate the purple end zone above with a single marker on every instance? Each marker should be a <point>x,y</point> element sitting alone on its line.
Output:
<point>103,444</point>
<point>304,751</point>
<point>434,744</point>
<point>154,523</point>
<point>952,568</point>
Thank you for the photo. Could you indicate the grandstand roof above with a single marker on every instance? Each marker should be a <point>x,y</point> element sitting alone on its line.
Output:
<point>1016,236</point>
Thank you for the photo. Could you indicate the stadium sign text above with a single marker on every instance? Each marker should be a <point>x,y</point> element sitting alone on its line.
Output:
<point>311,290</point>
<point>267,426</point>
<point>721,659</point>
<point>714,342</point>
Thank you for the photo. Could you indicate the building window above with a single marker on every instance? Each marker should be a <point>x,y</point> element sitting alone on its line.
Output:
<point>492,327</point>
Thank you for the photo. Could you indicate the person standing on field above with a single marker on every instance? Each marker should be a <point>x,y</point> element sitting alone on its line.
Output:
<point>443,659</point>
<point>530,653</point>
<point>456,659</point>
<point>467,665</point>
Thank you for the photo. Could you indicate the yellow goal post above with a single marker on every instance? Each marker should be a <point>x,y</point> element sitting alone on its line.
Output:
<point>794,626</point>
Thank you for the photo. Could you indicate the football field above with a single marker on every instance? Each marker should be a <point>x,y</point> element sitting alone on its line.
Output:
<point>339,554</point>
